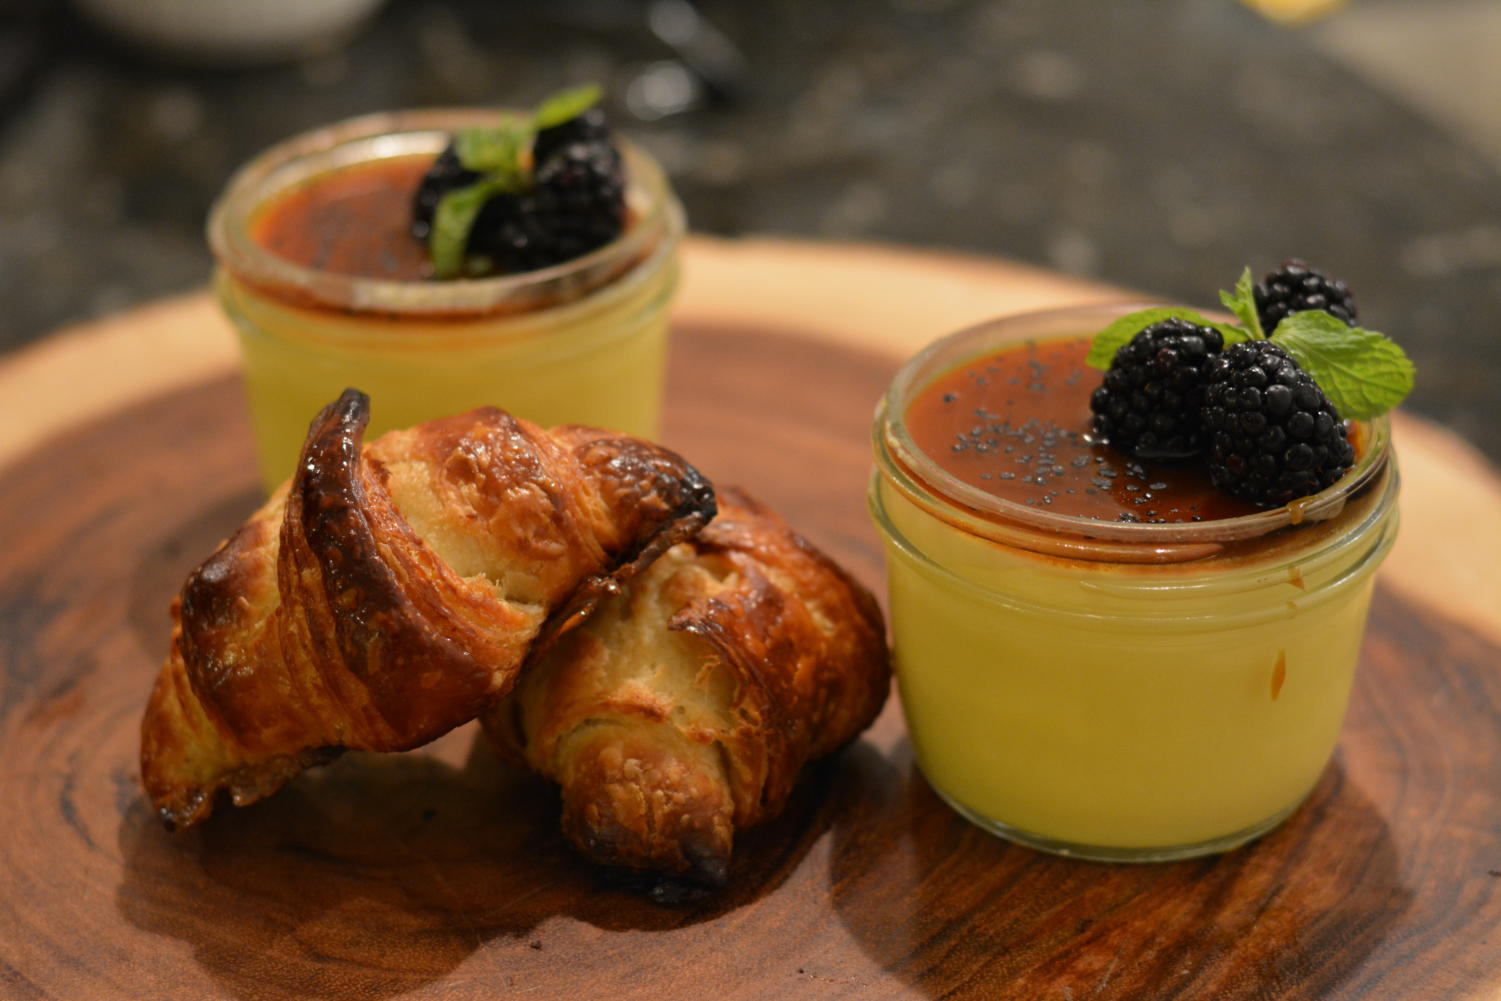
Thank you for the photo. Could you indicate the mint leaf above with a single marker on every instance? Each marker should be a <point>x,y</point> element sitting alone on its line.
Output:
<point>1242,302</point>
<point>454,218</point>
<point>501,155</point>
<point>1363,373</point>
<point>497,155</point>
<point>566,104</point>
<point>494,150</point>
<point>1116,336</point>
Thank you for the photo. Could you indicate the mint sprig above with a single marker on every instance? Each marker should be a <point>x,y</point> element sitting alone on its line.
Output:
<point>1362,372</point>
<point>494,150</point>
<point>501,155</point>
<point>566,105</point>
<point>1242,302</point>
<point>452,221</point>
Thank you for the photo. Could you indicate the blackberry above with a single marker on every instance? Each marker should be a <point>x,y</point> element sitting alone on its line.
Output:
<point>1275,436</point>
<point>587,127</point>
<point>445,175</point>
<point>513,236</point>
<point>579,198</point>
<point>1296,287</point>
<point>576,202</point>
<point>505,231</point>
<point>1149,403</point>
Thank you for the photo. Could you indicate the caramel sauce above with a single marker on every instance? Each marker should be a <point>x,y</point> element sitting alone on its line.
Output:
<point>354,221</point>
<point>1279,674</point>
<point>1016,425</point>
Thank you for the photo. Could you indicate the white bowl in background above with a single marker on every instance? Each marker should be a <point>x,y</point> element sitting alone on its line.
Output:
<point>239,31</point>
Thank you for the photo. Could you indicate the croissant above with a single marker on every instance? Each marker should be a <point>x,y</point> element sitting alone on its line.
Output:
<point>683,710</point>
<point>391,592</point>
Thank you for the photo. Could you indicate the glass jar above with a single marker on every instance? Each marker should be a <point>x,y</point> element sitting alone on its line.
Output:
<point>1114,691</point>
<point>582,342</point>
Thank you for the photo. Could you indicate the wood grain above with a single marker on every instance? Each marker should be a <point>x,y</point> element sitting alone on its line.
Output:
<point>440,874</point>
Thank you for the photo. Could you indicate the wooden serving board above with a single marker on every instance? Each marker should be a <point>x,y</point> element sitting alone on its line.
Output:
<point>440,874</point>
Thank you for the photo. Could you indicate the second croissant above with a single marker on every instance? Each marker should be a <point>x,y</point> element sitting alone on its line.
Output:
<point>686,707</point>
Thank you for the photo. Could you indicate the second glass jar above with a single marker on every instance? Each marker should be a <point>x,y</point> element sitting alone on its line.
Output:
<point>1123,692</point>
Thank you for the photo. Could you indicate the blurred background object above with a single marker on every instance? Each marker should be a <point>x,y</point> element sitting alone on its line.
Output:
<point>1159,144</point>
<point>1442,58</point>
<point>1294,11</point>
<point>219,32</point>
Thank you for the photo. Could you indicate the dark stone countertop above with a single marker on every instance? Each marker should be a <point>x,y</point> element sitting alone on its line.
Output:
<point>1161,145</point>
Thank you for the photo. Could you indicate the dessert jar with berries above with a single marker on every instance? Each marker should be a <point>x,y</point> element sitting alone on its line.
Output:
<point>1125,653</point>
<point>443,260</point>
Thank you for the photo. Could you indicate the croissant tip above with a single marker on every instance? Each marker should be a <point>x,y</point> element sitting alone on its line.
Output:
<point>352,406</point>
<point>352,397</point>
<point>708,870</point>
<point>701,496</point>
<point>175,820</point>
<point>678,891</point>
<point>697,500</point>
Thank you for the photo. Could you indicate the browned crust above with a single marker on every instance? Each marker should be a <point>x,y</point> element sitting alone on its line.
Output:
<point>327,622</point>
<point>774,656</point>
<point>636,468</point>
<point>635,800</point>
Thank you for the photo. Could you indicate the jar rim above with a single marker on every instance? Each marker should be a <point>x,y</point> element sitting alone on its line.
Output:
<point>656,218</point>
<point>985,514</point>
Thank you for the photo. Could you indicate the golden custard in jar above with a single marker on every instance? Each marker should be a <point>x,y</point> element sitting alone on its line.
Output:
<point>327,289</point>
<point>1096,656</point>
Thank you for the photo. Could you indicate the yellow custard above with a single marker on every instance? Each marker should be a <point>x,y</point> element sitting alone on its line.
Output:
<point>1122,691</point>
<point>582,342</point>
